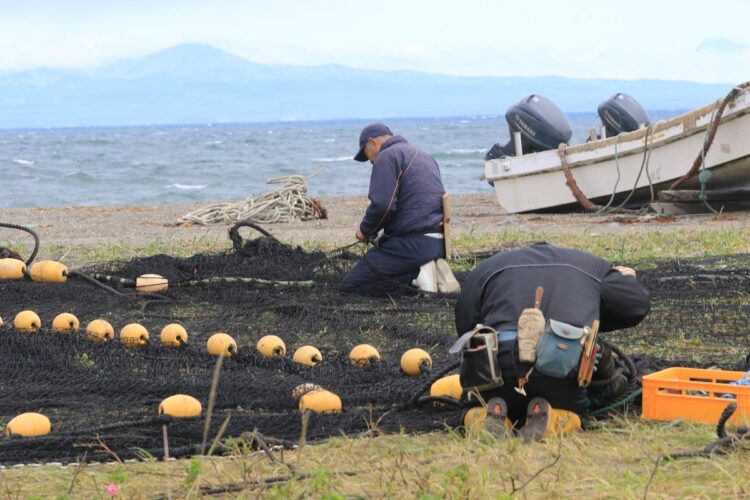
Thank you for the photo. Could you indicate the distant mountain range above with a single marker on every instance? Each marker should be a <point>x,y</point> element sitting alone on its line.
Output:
<point>195,83</point>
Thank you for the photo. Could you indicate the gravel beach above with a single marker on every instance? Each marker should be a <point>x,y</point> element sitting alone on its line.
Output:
<point>477,214</point>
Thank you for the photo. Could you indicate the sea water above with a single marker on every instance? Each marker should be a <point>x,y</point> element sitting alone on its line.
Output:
<point>204,163</point>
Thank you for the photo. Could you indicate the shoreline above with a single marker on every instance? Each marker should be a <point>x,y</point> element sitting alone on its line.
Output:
<point>476,215</point>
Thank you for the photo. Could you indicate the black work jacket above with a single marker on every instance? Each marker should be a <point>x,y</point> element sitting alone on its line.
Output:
<point>578,288</point>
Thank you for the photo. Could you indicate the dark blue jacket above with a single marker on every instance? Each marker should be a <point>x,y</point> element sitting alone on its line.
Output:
<point>578,288</point>
<point>413,205</point>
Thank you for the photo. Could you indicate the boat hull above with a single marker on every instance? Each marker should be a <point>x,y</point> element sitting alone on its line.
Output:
<point>632,165</point>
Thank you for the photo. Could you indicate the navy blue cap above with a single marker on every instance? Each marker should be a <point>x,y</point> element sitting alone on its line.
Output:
<point>370,131</point>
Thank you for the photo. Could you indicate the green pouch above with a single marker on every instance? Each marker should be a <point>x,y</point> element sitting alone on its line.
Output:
<point>559,349</point>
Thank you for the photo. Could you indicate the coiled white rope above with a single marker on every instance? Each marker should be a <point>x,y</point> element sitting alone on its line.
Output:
<point>285,204</point>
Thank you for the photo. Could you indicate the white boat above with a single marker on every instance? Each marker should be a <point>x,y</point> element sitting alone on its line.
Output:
<point>633,164</point>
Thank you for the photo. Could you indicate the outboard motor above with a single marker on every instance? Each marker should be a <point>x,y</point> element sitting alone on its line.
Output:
<point>542,126</point>
<point>621,113</point>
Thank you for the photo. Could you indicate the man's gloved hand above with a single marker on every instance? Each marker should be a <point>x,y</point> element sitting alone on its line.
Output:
<point>625,271</point>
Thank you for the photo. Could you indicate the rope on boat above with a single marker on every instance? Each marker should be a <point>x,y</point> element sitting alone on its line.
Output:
<point>581,198</point>
<point>285,204</point>
<point>712,128</point>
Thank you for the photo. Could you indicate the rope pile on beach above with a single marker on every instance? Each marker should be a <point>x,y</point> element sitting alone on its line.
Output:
<point>285,204</point>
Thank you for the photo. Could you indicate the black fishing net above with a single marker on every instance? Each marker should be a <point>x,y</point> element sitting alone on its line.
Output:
<point>102,398</point>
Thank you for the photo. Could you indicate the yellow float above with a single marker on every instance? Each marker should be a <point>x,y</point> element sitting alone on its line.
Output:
<point>308,355</point>
<point>415,361</point>
<point>100,330</point>
<point>12,269</point>
<point>180,406</point>
<point>27,322</point>
<point>149,283</point>
<point>28,425</point>
<point>174,335</point>
<point>65,323</point>
<point>134,335</point>
<point>270,346</point>
<point>320,402</point>
<point>363,355</point>
<point>221,344</point>
<point>48,271</point>
<point>447,387</point>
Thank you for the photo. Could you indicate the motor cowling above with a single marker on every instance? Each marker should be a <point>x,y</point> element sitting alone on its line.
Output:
<point>621,113</point>
<point>542,125</point>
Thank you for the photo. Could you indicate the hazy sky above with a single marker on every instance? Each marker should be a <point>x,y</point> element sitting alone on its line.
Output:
<point>661,39</point>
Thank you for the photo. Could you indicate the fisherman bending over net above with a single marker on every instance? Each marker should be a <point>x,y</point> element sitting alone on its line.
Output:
<point>404,219</point>
<point>533,372</point>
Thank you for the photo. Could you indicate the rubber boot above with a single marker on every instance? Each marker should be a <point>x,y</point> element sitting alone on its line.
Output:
<point>496,422</point>
<point>427,278</point>
<point>543,421</point>
<point>474,418</point>
<point>446,282</point>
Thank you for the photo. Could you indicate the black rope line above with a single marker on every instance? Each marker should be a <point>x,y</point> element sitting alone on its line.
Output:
<point>96,282</point>
<point>31,232</point>
<point>725,444</point>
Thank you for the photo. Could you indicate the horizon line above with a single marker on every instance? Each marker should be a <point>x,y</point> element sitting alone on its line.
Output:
<point>482,117</point>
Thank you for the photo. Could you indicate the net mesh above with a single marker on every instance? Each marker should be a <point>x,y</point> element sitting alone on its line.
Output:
<point>102,398</point>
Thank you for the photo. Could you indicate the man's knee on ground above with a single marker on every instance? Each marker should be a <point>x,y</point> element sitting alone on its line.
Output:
<point>351,284</point>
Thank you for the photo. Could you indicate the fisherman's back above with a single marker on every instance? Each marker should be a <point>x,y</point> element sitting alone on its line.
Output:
<point>578,289</point>
<point>416,203</point>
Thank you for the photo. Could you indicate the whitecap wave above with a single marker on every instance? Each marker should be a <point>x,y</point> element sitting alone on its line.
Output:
<point>329,140</point>
<point>21,161</point>
<point>329,160</point>
<point>464,151</point>
<point>188,187</point>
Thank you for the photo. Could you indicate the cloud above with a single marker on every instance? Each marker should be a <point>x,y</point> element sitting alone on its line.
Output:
<point>721,45</point>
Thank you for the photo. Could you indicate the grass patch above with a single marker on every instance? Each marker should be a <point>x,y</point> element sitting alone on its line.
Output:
<point>616,460</point>
<point>122,250</point>
<point>621,247</point>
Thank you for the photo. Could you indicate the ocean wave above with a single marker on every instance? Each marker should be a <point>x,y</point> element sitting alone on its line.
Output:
<point>78,176</point>
<point>329,140</point>
<point>465,151</point>
<point>187,187</point>
<point>21,161</point>
<point>329,160</point>
<point>460,152</point>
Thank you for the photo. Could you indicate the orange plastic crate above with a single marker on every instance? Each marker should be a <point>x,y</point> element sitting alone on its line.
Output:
<point>694,394</point>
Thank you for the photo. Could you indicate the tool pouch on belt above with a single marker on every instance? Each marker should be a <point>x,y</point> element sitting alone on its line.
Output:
<point>530,328</point>
<point>559,349</point>
<point>480,369</point>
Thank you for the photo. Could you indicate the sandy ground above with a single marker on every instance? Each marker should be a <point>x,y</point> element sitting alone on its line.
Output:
<point>479,214</point>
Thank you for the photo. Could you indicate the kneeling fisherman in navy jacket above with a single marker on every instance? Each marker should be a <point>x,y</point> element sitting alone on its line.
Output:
<point>404,217</point>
